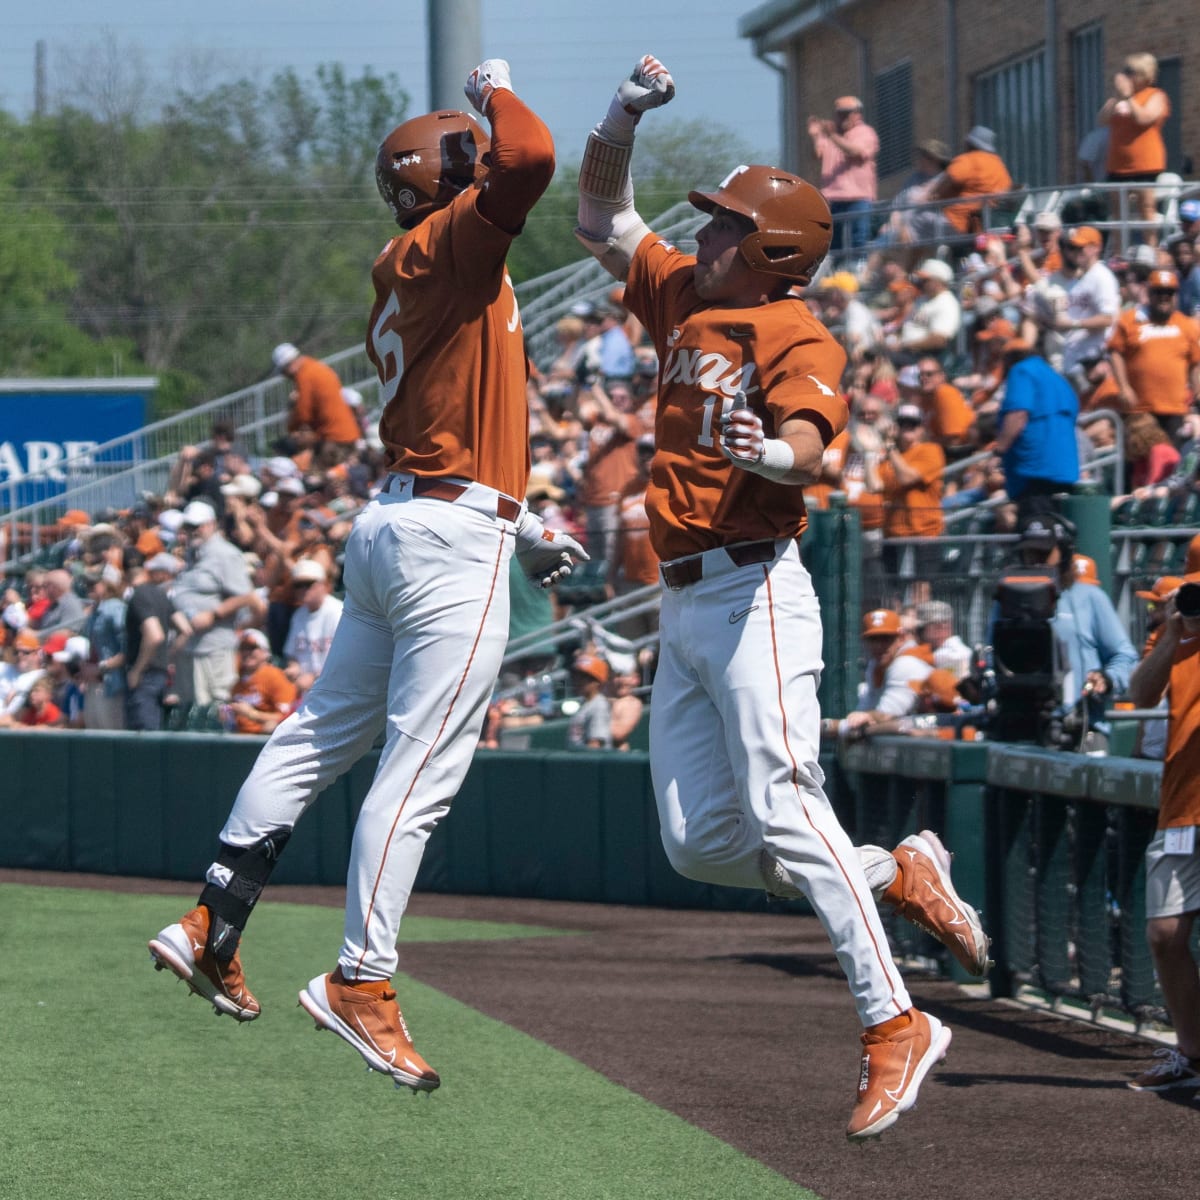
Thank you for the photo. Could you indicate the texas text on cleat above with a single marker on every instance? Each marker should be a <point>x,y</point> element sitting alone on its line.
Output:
<point>923,893</point>
<point>366,1015</point>
<point>184,949</point>
<point>897,1056</point>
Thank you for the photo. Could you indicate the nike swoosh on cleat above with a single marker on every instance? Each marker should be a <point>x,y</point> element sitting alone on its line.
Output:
<point>895,1096</point>
<point>389,1057</point>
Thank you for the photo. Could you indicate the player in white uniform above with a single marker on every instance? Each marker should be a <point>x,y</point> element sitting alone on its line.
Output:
<point>425,620</point>
<point>747,403</point>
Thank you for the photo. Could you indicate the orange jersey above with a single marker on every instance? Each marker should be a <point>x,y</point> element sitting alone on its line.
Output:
<point>975,173</point>
<point>268,690</point>
<point>1179,803</point>
<point>319,403</point>
<point>948,414</point>
<point>639,563</point>
<point>1135,149</point>
<point>784,360</point>
<point>445,332</point>
<point>1105,394</point>
<point>1158,358</point>
<point>915,510</point>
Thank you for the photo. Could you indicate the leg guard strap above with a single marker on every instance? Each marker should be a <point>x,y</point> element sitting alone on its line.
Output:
<point>231,906</point>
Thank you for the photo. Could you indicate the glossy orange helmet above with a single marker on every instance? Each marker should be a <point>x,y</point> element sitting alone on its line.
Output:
<point>792,223</point>
<point>424,163</point>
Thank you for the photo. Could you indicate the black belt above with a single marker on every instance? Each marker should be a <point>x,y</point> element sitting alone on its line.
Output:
<point>441,489</point>
<point>686,571</point>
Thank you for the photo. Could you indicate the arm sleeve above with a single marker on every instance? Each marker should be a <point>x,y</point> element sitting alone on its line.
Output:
<point>522,162</point>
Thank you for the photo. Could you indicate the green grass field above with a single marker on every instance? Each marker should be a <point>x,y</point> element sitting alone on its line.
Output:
<point>115,1085</point>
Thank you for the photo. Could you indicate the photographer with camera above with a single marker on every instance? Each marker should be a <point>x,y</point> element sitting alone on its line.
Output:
<point>1095,653</point>
<point>1172,668</point>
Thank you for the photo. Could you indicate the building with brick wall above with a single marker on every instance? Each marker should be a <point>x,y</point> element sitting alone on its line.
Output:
<point>1035,71</point>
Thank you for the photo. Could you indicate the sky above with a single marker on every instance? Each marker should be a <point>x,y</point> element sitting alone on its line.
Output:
<point>566,56</point>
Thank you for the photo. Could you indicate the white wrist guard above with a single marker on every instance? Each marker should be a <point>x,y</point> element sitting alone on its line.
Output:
<point>618,124</point>
<point>777,460</point>
<point>604,172</point>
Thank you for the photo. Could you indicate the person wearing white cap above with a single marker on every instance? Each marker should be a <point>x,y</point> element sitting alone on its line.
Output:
<point>319,417</point>
<point>210,592</point>
<point>313,624</point>
<point>936,317</point>
<point>65,669</point>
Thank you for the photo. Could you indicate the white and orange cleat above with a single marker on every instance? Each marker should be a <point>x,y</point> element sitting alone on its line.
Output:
<point>923,893</point>
<point>897,1055</point>
<point>183,949</point>
<point>368,1017</point>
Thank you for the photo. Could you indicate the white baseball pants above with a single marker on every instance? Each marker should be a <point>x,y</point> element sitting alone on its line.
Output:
<point>734,733</point>
<point>416,654</point>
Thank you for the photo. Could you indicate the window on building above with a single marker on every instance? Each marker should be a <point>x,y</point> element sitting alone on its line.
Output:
<point>1012,101</point>
<point>893,119</point>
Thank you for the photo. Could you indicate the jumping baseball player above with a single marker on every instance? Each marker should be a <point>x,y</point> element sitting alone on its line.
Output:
<point>747,403</point>
<point>425,621</point>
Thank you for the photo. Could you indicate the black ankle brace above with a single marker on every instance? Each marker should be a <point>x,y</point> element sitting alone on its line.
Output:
<point>231,906</point>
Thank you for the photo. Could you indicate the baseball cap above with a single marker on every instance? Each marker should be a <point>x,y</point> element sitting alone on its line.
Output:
<point>282,355</point>
<point>1161,587</point>
<point>881,622</point>
<point>242,485</point>
<point>940,686</point>
<point>26,639</point>
<point>1189,211</point>
<point>1047,220</point>
<point>308,570</point>
<point>932,611</point>
<point>847,104</point>
<point>1163,281</point>
<point>75,516</point>
<point>1044,533</point>
<point>584,309</point>
<point>840,279</point>
<point>164,562</point>
<point>591,665</point>
<point>253,637</point>
<point>909,414</point>
<point>198,513</point>
<point>291,486</point>
<point>936,149</point>
<point>281,467</point>
<point>934,268</point>
<point>1084,235</point>
<point>75,649</point>
<point>909,376</point>
<point>56,642</point>
<point>1085,569</point>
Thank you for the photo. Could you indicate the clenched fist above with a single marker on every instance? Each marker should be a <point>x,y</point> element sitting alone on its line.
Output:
<point>649,86</point>
<point>490,75</point>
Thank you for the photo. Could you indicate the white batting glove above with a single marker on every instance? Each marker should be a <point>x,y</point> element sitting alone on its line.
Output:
<point>490,75</point>
<point>741,437</point>
<point>649,86</point>
<point>545,554</point>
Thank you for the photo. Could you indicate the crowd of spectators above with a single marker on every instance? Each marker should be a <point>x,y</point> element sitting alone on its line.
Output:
<point>970,361</point>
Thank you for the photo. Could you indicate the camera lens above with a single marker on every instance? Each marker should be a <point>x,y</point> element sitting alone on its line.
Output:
<point>1187,600</point>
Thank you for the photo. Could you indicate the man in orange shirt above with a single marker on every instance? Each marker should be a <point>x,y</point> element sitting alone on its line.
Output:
<point>1172,668</point>
<point>911,476</point>
<point>425,620</point>
<point>948,417</point>
<point>1155,354</point>
<point>748,401</point>
<point>320,419</point>
<point>977,171</point>
<point>263,694</point>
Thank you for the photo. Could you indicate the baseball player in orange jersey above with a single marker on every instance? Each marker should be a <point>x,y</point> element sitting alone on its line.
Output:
<point>425,621</point>
<point>747,403</point>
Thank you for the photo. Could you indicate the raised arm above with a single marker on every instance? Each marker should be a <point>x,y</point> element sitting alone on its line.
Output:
<point>609,225</point>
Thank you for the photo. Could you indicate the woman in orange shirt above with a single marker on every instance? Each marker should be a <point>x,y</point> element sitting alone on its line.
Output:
<point>1135,115</point>
<point>911,477</point>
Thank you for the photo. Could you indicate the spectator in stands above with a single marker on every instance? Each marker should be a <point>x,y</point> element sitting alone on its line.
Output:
<point>39,710</point>
<point>65,609</point>
<point>1100,388</point>
<point>65,655</point>
<point>1152,735</point>
<point>28,666</point>
<point>935,318</point>
<point>1171,670</point>
<point>977,171</point>
<point>1093,301</point>
<point>948,416</point>
<point>319,418</point>
<point>210,592</point>
<point>1135,114</point>
<point>1155,352</point>
<point>1037,247</point>
<point>990,334</point>
<point>1036,441</point>
<point>847,317</point>
<point>150,621</point>
<point>1100,655</point>
<point>1183,257</point>
<point>911,481</point>
<point>932,158</point>
<point>313,624</point>
<point>104,703</point>
<point>1150,458</point>
<point>608,353</point>
<point>625,708</point>
<point>894,661</point>
<point>263,695</point>
<point>590,727</point>
<point>935,630</point>
<point>568,333</point>
<point>637,562</point>
<point>846,149</point>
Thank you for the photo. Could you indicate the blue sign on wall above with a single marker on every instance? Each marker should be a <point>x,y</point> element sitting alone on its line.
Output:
<point>51,432</point>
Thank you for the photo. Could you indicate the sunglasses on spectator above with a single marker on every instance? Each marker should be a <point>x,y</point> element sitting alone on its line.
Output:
<point>302,585</point>
<point>928,373</point>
